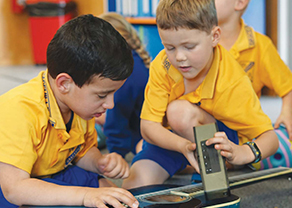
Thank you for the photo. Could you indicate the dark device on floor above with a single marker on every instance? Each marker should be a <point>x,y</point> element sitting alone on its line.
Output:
<point>211,163</point>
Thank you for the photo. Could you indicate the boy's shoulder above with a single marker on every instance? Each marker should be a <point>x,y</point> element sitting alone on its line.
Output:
<point>229,68</point>
<point>161,60</point>
<point>27,96</point>
<point>252,38</point>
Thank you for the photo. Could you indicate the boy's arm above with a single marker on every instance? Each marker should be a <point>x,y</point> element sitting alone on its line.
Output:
<point>286,114</point>
<point>155,133</point>
<point>110,165</point>
<point>18,188</point>
<point>267,142</point>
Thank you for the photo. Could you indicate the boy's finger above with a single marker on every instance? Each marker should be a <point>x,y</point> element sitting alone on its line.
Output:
<point>192,147</point>
<point>103,162</point>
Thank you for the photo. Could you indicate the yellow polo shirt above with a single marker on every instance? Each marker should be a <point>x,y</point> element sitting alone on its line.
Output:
<point>33,133</point>
<point>259,58</point>
<point>226,93</point>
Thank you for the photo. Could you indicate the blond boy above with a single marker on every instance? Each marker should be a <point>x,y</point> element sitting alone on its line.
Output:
<point>257,55</point>
<point>192,82</point>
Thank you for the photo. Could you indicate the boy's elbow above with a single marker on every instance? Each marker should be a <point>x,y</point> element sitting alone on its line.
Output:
<point>11,196</point>
<point>146,128</point>
<point>273,142</point>
<point>143,128</point>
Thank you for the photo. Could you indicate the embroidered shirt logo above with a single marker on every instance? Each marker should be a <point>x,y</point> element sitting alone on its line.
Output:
<point>166,63</point>
<point>249,66</point>
<point>249,34</point>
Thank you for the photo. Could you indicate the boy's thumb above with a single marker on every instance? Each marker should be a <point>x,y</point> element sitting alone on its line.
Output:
<point>192,147</point>
<point>103,161</point>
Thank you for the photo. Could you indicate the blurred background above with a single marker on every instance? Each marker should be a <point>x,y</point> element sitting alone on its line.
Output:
<point>27,26</point>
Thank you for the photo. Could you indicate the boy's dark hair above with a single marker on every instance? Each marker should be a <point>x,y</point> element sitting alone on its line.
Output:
<point>88,46</point>
<point>190,14</point>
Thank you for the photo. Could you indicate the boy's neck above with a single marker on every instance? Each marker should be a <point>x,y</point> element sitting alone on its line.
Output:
<point>229,33</point>
<point>192,84</point>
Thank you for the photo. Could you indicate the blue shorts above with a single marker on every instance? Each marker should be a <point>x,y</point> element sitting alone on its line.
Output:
<point>173,161</point>
<point>71,176</point>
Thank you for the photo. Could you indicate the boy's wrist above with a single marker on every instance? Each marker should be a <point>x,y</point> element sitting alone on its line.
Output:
<point>255,152</point>
<point>248,156</point>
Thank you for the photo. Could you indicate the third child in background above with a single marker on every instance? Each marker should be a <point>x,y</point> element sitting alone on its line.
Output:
<point>122,123</point>
<point>257,55</point>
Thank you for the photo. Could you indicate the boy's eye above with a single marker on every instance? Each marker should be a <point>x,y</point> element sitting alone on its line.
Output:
<point>190,47</point>
<point>169,48</point>
<point>102,96</point>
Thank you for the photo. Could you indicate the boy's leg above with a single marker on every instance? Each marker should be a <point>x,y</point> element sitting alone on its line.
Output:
<point>75,176</point>
<point>144,173</point>
<point>182,116</point>
<point>153,165</point>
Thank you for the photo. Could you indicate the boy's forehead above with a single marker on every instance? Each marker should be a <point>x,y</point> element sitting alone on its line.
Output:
<point>181,34</point>
<point>103,84</point>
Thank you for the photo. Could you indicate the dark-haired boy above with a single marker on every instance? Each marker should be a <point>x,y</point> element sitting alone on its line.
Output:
<point>48,153</point>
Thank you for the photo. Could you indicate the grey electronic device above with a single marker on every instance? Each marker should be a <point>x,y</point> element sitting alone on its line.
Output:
<point>211,163</point>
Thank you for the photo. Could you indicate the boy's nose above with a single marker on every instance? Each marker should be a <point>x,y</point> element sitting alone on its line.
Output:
<point>180,56</point>
<point>109,103</point>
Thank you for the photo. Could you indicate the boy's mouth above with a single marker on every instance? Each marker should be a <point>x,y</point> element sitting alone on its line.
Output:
<point>185,68</point>
<point>98,114</point>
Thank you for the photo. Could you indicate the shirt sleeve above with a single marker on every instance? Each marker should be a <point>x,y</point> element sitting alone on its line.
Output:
<point>156,93</point>
<point>274,73</point>
<point>245,115</point>
<point>18,135</point>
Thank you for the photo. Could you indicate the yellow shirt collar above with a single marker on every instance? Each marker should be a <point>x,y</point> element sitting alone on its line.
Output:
<point>245,40</point>
<point>208,85</point>
<point>56,118</point>
<point>206,89</point>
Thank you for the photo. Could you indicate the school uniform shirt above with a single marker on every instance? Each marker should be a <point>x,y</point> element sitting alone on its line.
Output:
<point>122,125</point>
<point>33,133</point>
<point>259,58</point>
<point>226,93</point>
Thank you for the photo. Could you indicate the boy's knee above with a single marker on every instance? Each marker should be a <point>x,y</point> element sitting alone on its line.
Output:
<point>144,173</point>
<point>181,113</point>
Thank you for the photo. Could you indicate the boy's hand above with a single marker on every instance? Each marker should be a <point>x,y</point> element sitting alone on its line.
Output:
<point>233,153</point>
<point>286,119</point>
<point>189,153</point>
<point>286,114</point>
<point>113,196</point>
<point>113,166</point>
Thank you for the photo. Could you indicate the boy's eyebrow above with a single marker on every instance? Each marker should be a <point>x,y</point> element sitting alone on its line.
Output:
<point>182,43</point>
<point>105,91</point>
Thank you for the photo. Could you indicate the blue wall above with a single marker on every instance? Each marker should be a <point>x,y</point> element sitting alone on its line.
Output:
<point>255,15</point>
<point>150,37</point>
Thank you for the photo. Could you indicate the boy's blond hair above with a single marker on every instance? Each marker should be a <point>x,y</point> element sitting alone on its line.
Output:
<point>191,14</point>
<point>129,33</point>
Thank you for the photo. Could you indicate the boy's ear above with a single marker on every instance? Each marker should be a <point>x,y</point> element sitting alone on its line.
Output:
<point>64,82</point>
<point>216,34</point>
<point>240,5</point>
